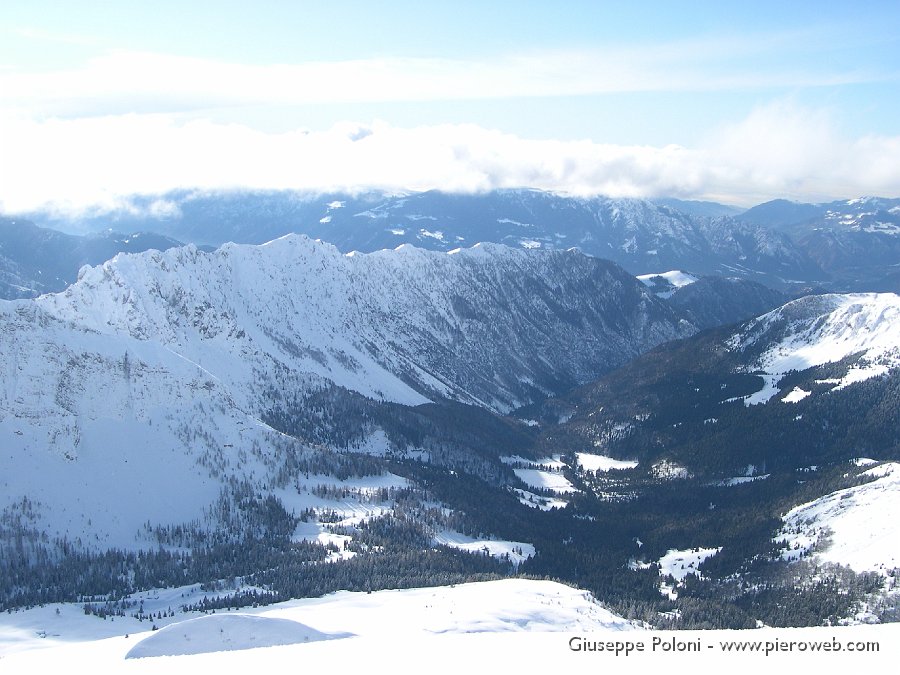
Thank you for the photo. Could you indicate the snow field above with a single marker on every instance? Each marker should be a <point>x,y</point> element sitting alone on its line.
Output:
<point>590,462</point>
<point>517,551</point>
<point>224,632</point>
<point>546,480</point>
<point>536,501</point>
<point>858,526</point>
<point>399,649</point>
<point>508,605</point>
<point>541,474</point>
<point>681,563</point>
<point>675,277</point>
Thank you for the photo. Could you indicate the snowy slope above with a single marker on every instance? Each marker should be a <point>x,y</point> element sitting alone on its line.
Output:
<point>96,428</point>
<point>224,632</point>
<point>823,329</point>
<point>664,285</point>
<point>602,463</point>
<point>509,605</point>
<point>516,551</point>
<point>858,526</point>
<point>681,563</point>
<point>541,627</point>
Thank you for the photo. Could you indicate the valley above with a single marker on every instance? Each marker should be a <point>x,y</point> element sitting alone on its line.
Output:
<point>306,421</point>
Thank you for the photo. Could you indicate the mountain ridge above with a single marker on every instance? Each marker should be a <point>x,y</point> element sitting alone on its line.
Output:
<point>164,371</point>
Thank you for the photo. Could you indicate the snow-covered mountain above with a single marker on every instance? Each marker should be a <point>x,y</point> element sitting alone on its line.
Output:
<point>154,374</point>
<point>807,383</point>
<point>250,413</point>
<point>823,329</point>
<point>489,325</point>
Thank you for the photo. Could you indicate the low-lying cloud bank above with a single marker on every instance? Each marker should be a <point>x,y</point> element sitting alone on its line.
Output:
<point>777,151</point>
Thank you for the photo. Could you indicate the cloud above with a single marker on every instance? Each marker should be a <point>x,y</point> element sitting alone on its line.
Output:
<point>55,37</point>
<point>785,150</point>
<point>126,121</point>
<point>119,81</point>
<point>779,150</point>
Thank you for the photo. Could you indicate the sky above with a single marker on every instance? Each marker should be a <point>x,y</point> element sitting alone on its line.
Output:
<point>738,104</point>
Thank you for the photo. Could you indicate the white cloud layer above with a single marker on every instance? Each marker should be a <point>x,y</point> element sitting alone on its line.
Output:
<point>124,121</point>
<point>125,80</point>
<point>777,151</point>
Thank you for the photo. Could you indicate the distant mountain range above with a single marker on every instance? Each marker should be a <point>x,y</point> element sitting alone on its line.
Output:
<point>848,245</point>
<point>856,242</point>
<point>35,260</point>
<point>642,236</point>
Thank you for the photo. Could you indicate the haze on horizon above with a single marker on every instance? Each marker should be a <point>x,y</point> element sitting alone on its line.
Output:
<point>736,105</point>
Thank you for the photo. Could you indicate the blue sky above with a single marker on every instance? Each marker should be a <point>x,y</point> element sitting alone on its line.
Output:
<point>741,104</point>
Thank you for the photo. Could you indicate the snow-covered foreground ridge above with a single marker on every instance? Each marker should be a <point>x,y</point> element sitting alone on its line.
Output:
<point>508,605</point>
<point>816,330</point>
<point>136,394</point>
<point>474,627</point>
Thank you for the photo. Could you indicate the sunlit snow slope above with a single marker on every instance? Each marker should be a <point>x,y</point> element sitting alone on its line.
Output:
<point>824,329</point>
<point>508,605</point>
<point>858,526</point>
